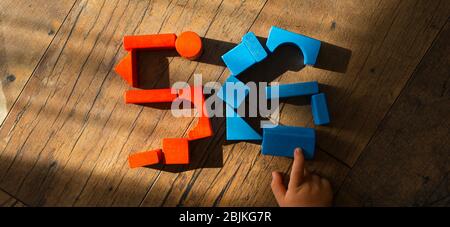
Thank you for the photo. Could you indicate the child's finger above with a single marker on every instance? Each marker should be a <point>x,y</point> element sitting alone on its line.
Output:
<point>278,188</point>
<point>298,168</point>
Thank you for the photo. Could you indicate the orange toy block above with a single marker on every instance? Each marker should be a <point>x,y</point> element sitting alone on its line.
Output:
<point>155,42</point>
<point>127,68</point>
<point>145,158</point>
<point>189,45</point>
<point>203,128</point>
<point>176,151</point>
<point>150,96</point>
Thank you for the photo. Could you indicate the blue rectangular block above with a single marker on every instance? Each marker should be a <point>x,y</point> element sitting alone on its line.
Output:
<point>254,46</point>
<point>294,89</point>
<point>319,109</point>
<point>282,140</point>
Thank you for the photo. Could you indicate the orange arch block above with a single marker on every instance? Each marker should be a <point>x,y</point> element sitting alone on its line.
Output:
<point>203,128</point>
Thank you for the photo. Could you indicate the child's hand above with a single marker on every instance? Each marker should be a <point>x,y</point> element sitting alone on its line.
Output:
<point>304,189</point>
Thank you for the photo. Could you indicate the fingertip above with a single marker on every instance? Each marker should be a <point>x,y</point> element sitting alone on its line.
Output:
<point>275,175</point>
<point>298,153</point>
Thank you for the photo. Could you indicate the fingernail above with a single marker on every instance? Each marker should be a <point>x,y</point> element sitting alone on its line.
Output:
<point>273,174</point>
<point>297,150</point>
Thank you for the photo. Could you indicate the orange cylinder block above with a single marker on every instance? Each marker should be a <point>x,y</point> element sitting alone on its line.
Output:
<point>189,45</point>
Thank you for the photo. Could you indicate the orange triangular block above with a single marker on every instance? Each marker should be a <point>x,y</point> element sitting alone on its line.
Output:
<point>176,151</point>
<point>145,158</point>
<point>127,68</point>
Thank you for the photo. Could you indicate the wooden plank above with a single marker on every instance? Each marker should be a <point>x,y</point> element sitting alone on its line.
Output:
<point>67,139</point>
<point>233,20</point>
<point>407,161</point>
<point>387,40</point>
<point>79,113</point>
<point>243,167</point>
<point>41,149</point>
<point>26,30</point>
<point>371,30</point>
<point>7,200</point>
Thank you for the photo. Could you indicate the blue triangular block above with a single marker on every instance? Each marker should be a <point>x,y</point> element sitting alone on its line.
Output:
<point>237,128</point>
<point>238,90</point>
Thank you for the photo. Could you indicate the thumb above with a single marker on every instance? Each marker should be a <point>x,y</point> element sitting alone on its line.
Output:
<point>278,189</point>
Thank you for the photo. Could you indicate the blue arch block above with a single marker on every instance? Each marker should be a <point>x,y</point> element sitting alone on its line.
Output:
<point>309,46</point>
<point>282,140</point>
<point>244,55</point>
<point>319,109</point>
<point>292,90</point>
<point>237,128</point>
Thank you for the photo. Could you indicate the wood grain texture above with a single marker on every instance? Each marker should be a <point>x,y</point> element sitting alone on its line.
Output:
<point>26,30</point>
<point>7,200</point>
<point>407,163</point>
<point>387,40</point>
<point>67,138</point>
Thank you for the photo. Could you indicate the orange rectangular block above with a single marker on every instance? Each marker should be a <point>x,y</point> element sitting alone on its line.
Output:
<point>145,158</point>
<point>155,42</point>
<point>176,151</point>
<point>150,96</point>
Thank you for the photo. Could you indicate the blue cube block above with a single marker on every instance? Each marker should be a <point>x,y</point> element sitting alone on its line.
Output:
<point>309,46</point>
<point>247,53</point>
<point>282,140</point>
<point>237,128</point>
<point>238,59</point>
<point>233,92</point>
<point>254,46</point>
<point>292,90</point>
<point>320,109</point>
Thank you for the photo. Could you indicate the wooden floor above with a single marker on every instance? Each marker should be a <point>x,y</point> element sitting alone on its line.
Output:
<point>66,132</point>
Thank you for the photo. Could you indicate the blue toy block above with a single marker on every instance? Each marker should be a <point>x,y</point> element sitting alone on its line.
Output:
<point>237,128</point>
<point>238,59</point>
<point>282,140</point>
<point>309,46</point>
<point>235,86</point>
<point>320,109</point>
<point>294,89</point>
<point>244,55</point>
<point>254,46</point>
